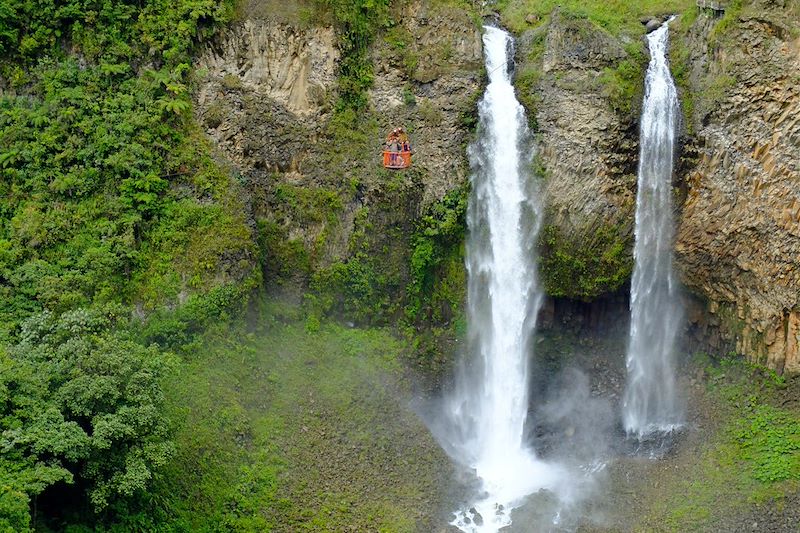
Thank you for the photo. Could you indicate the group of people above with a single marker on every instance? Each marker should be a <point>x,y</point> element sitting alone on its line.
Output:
<point>397,141</point>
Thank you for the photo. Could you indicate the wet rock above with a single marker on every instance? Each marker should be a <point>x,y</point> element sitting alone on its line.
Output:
<point>652,25</point>
<point>587,149</point>
<point>476,516</point>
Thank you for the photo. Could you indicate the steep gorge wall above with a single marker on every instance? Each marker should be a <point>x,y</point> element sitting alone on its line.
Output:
<point>322,198</point>
<point>738,238</point>
<point>736,180</point>
<point>268,99</point>
<point>587,151</point>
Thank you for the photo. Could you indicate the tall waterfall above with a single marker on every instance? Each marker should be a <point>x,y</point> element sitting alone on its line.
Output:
<point>649,403</point>
<point>488,409</point>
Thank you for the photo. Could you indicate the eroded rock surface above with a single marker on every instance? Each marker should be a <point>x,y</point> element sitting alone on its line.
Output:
<point>585,147</point>
<point>265,91</point>
<point>436,66</point>
<point>738,239</point>
<point>268,102</point>
<point>587,151</point>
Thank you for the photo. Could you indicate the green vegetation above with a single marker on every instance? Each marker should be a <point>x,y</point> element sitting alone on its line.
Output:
<point>363,287</point>
<point>438,285</point>
<point>437,289</point>
<point>109,201</point>
<point>468,115</point>
<point>769,439</point>
<point>93,156</point>
<point>128,400</point>
<point>297,431</point>
<point>315,210</point>
<point>357,23</point>
<point>753,458</point>
<point>527,78</point>
<point>381,280</point>
<point>617,17</point>
<point>732,12</point>
<point>679,64</point>
<point>369,279</point>
<point>83,404</point>
<point>623,85</point>
<point>702,97</point>
<point>356,289</point>
<point>585,269</point>
<point>400,271</point>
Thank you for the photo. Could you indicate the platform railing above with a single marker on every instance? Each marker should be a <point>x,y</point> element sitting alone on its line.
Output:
<point>396,160</point>
<point>713,5</point>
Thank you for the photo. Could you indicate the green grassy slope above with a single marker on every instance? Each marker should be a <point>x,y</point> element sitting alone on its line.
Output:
<point>748,464</point>
<point>620,18</point>
<point>287,430</point>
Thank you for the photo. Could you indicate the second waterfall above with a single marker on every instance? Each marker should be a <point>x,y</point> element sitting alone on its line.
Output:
<point>488,409</point>
<point>650,402</point>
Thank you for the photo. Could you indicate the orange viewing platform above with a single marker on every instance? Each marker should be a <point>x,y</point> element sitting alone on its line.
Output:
<point>396,160</point>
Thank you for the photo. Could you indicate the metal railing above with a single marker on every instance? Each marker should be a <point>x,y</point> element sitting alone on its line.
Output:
<point>396,160</point>
<point>714,5</point>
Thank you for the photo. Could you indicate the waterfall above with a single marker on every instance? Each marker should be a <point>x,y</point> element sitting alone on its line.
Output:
<point>488,409</point>
<point>649,403</point>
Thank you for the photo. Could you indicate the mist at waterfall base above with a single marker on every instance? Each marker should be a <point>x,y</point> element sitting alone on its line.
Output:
<point>650,402</point>
<point>482,423</point>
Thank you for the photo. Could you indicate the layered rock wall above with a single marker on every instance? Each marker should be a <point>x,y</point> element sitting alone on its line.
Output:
<point>267,97</point>
<point>738,238</point>
<point>737,181</point>
<point>267,100</point>
<point>587,153</point>
<point>584,145</point>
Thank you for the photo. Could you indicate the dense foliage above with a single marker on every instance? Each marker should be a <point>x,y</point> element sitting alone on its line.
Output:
<point>82,402</point>
<point>91,147</point>
<point>437,244</point>
<point>108,199</point>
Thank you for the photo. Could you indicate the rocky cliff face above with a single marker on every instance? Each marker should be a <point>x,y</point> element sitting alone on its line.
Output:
<point>585,146</point>
<point>738,239</point>
<point>321,196</point>
<point>315,175</point>
<point>429,76</point>
<point>587,152</point>
<point>737,236</point>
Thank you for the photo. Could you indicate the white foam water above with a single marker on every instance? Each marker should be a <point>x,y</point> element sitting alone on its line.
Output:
<point>650,402</point>
<point>489,407</point>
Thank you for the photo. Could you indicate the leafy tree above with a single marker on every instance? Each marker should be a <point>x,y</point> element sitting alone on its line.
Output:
<point>98,192</point>
<point>82,401</point>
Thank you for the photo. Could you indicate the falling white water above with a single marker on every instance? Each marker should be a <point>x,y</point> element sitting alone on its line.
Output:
<point>650,403</point>
<point>489,407</point>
